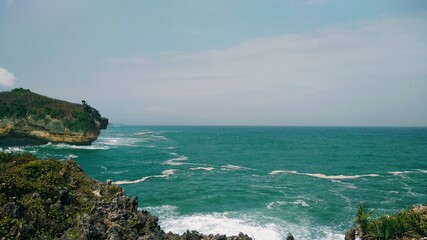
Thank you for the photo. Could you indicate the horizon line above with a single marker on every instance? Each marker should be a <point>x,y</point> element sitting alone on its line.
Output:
<point>231,125</point>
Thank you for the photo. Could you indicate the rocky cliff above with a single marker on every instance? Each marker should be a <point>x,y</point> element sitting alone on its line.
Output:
<point>27,118</point>
<point>50,199</point>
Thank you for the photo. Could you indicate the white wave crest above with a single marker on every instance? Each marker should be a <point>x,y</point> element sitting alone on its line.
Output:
<point>117,141</point>
<point>401,172</point>
<point>255,225</point>
<point>68,146</point>
<point>165,174</point>
<point>281,203</point>
<point>203,168</point>
<point>132,182</point>
<point>173,163</point>
<point>324,176</point>
<point>72,156</point>
<point>282,172</point>
<point>216,223</point>
<point>339,177</point>
<point>164,210</point>
<point>12,149</point>
<point>160,137</point>
<point>230,167</point>
<point>176,161</point>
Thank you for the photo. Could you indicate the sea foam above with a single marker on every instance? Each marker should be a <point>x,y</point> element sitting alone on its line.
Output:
<point>117,141</point>
<point>400,172</point>
<point>340,177</point>
<point>203,168</point>
<point>229,224</point>
<point>230,167</point>
<point>216,223</point>
<point>165,174</point>
<point>12,149</point>
<point>282,172</point>
<point>72,156</point>
<point>324,176</point>
<point>299,202</point>
<point>176,161</point>
<point>69,146</point>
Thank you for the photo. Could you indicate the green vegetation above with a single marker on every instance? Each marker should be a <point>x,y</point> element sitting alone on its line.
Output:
<point>406,224</point>
<point>44,196</point>
<point>21,103</point>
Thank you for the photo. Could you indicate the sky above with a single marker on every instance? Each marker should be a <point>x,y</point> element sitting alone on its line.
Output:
<point>223,62</point>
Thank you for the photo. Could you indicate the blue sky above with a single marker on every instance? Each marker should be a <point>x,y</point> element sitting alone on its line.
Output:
<point>246,62</point>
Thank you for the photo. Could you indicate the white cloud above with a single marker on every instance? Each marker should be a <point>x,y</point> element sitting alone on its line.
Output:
<point>372,73</point>
<point>6,78</point>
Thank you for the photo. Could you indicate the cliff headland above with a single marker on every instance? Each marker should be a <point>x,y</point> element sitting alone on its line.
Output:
<point>27,118</point>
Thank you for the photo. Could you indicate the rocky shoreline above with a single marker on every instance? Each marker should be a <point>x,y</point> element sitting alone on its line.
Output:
<point>51,199</point>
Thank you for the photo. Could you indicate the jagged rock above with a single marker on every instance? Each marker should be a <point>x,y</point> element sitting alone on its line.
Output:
<point>27,118</point>
<point>350,235</point>
<point>421,209</point>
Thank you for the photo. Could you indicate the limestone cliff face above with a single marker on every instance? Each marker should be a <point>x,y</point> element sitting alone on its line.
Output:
<point>27,118</point>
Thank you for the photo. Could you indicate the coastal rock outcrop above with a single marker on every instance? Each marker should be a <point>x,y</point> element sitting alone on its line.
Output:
<point>50,199</point>
<point>27,118</point>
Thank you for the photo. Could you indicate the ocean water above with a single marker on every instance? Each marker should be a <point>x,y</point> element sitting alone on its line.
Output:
<point>264,181</point>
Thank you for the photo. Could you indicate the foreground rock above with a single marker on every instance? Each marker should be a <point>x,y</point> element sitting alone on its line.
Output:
<point>27,118</point>
<point>50,199</point>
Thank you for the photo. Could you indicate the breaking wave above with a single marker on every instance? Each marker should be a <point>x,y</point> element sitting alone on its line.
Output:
<point>68,146</point>
<point>117,141</point>
<point>12,149</point>
<point>176,161</point>
<point>324,176</point>
<point>340,177</point>
<point>203,168</point>
<point>165,174</point>
<point>256,227</point>
<point>282,172</point>
<point>281,203</point>
<point>217,223</point>
<point>230,167</point>
<point>407,172</point>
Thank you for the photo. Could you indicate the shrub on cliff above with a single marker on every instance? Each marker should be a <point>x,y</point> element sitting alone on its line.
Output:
<point>406,224</point>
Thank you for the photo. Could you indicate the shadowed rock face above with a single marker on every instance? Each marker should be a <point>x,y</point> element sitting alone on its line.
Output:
<point>28,118</point>
<point>50,199</point>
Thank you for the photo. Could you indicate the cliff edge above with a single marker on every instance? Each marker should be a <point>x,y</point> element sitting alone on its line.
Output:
<point>50,199</point>
<point>27,118</point>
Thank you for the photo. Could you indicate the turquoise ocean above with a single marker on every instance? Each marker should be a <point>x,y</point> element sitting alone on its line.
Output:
<point>264,181</point>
